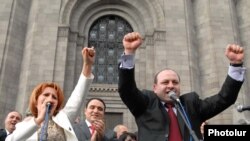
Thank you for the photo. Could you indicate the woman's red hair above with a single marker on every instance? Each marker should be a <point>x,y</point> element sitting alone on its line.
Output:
<point>37,91</point>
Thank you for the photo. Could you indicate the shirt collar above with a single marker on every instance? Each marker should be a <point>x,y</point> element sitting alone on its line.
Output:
<point>88,123</point>
<point>7,132</point>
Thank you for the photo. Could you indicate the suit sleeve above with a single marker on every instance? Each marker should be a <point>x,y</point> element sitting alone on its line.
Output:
<point>132,97</point>
<point>227,96</point>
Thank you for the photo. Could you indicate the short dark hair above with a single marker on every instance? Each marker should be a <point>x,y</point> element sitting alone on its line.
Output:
<point>95,98</point>
<point>127,134</point>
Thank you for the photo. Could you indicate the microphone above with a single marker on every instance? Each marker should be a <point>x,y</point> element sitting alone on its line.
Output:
<point>174,97</point>
<point>242,108</point>
<point>44,132</point>
<point>49,106</point>
<point>183,114</point>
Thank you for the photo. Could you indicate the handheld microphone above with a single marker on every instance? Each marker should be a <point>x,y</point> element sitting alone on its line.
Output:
<point>49,106</point>
<point>44,132</point>
<point>242,108</point>
<point>174,97</point>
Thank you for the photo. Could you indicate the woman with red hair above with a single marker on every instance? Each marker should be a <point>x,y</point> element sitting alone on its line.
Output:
<point>60,119</point>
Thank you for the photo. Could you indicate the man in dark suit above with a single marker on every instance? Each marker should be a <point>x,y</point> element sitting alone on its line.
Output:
<point>10,124</point>
<point>93,127</point>
<point>148,106</point>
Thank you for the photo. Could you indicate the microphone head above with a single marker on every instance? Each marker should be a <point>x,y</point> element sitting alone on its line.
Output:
<point>48,104</point>
<point>240,108</point>
<point>173,96</point>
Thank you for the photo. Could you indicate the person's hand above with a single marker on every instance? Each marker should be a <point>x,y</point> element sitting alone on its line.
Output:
<point>41,114</point>
<point>94,136</point>
<point>235,54</point>
<point>131,42</point>
<point>99,130</point>
<point>202,127</point>
<point>99,127</point>
<point>88,55</point>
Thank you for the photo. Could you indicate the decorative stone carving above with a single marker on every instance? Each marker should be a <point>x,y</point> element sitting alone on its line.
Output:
<point>103,88</point>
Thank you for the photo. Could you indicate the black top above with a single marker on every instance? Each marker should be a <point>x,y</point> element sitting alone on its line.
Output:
<point>3,134</point>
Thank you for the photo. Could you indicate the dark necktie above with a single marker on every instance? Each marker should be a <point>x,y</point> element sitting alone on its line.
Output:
<point>174,130</point>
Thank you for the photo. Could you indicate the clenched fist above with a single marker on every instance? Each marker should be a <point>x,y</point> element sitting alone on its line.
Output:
<point>235,53</point>
<point>131,42</point>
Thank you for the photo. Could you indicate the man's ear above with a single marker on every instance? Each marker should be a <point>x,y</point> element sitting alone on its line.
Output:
<point>154,87</point>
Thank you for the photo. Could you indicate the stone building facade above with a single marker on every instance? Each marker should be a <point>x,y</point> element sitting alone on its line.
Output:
<point>41,40</point>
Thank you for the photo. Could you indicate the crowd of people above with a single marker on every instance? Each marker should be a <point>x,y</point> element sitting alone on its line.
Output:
<point>147,106</point>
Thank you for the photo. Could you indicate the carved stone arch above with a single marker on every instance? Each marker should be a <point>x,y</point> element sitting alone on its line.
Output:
<point>86,23</point>
<point>157,13</point>
<point>65,11</point>
<point>149,13</point>
<point>85,16</point>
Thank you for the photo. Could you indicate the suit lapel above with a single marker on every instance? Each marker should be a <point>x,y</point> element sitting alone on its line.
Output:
<point>85,129</point>
<point>3,134</point>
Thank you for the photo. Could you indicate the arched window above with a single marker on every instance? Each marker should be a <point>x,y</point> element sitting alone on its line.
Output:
<point>106,36</point>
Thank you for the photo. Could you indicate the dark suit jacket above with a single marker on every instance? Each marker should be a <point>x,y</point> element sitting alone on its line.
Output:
<point>83,134</point>
<point>151,117</point>
<point>3,134</point>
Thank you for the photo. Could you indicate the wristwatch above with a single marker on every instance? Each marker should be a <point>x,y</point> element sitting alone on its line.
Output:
<point>236,65</point>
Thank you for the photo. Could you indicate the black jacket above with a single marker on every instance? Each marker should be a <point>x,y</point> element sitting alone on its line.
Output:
<point>151,117</point>
<point>3,134</point>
